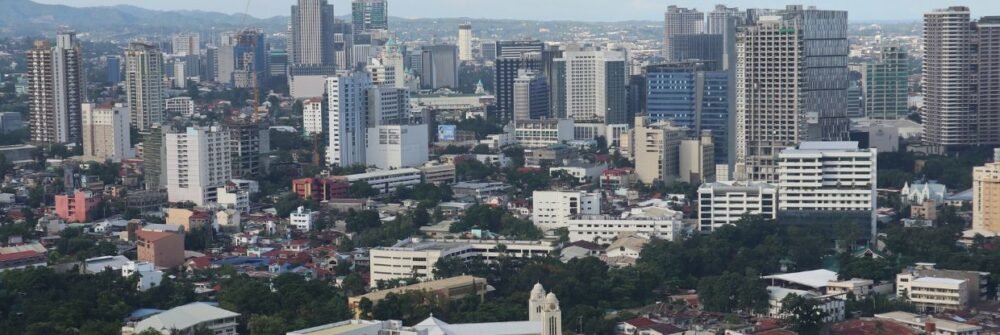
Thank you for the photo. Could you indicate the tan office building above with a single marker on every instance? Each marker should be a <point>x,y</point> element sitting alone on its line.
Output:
<point>986,198</point>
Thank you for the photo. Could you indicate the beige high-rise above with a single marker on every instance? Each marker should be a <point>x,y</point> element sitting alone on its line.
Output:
<point>106,133</point>
<point>986,198</point>
<point>657,150</point>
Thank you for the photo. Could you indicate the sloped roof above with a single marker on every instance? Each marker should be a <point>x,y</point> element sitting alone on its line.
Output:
<point>438,327</point>
<point>815,278</point>
<point>185,317</point>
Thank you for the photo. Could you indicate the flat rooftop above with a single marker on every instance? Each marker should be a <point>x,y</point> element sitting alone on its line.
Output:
<point>424,286</point>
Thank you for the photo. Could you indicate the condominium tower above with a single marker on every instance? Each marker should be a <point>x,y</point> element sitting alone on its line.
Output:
<point>144,85</point>
<point>198,162</point>
<point>55,90</point>
<point>311,33</point>
<point>770,77</point>
<point>678,21</point>
<point>465,42</point>
<point>347,97</point>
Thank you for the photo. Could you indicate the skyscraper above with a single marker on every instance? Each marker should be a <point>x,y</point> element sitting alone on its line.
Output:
<point>677,21</point>
<point>114,69</point>
<point>886,85</point>
<point>250,141</point>
<point>392,56</point>
<point>250,59</point>
<point>706,48</point>
<point>988,80</point>
<point>770,77</point>
<point>986,197</point>
<point>144,84</point>
<point>465,42</point>
<point>719,17</point>
<point>347,94</point>
<point>56,90</point>
<point>154,152</point>
<point>689,95</point>
<point>311,34</point>
<point>531,95</point>
<point>824,40</point>
<point>593,83</point>
<point>369,16</point>
<point>186,44</point>
<point>439,66</point>
<point>513,56</point>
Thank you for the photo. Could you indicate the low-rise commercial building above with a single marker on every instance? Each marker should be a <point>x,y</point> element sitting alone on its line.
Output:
<point>320,189</point>
<point>302,219</point>
<point>77,207</point>
<point>163,249</point>
<point>416,257</point>
<point>935,290</point>
<point>186,319</point>
<point>543,133</point>
<point>726,202</point>
<point>649,222</point>
<point>554,209</point>
<point>386,181</point>
<point>930,325</point>
<point>448,289</point>
<point>438,173</point>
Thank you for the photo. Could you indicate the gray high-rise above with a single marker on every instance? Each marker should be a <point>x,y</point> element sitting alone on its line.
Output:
<point>961,83</point>
<point>439,66</point>
<point>719,18</point>
<point>770,95</point>
<point>513,56</point>
<point>678,21</point>
<point>144,85</point>
<point>369,15</point>
<point>531,95</point>
<point>311,34</point>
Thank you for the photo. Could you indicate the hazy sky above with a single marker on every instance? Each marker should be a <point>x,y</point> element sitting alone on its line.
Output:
<point>587,10</point>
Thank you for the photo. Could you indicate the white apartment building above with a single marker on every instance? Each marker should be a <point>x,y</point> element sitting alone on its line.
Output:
<point>465,42</point>
<point>382,74</point>
<point>302,219</point>
<point>144,85</point>
<point>186,44</point>
<point>397,146</point>
<point>386,181</point>
<point>726,202</point>
<point>312,116</point>
<point>180,106</point>
<point>198,162</point>
<point>543,133</point>
<point>347,96</point>
<point>554,209</point>
<point>106,133</point>
<point>587,79</point>
<point>387,105</point>
<point>833,308</point>
<point>233,196</point>
<point>934,294</point>
<point>649,222</point>
<point>828,179</point>
<point>415,257</point>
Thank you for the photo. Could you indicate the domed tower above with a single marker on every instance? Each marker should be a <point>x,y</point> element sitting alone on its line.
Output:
<point>551,316</point>
<point>535,303</point>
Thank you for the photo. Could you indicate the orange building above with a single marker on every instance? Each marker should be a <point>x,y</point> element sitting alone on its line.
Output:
<point>76,207</point>
<point>163,249</point>
<point>320,189</point>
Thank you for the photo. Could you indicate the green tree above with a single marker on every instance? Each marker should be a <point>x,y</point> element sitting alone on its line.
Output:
<point>267,325</point>
<point>803,314</point>
<point>361,189</point>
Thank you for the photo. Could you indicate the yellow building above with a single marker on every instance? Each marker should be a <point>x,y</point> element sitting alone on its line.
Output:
<point>986,198</point>
<point>449,288</point>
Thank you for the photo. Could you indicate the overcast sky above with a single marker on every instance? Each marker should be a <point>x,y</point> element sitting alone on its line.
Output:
<point>586,10</point>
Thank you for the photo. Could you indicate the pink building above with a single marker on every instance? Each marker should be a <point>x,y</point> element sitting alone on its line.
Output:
<point>76,207</point>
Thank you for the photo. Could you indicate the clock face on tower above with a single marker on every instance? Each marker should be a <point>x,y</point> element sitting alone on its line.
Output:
<point>552,307</point>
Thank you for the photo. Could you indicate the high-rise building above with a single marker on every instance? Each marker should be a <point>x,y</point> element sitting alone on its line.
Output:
<point>144,85</point>
<point>198,163</point>
<point>886,85</point>
<point>677,21</point>
<point>114,69</point>
<point>511,57</point>
<point>250,59</point>
<point>278,63</point>
<point>347,96</point>
<point>705,48</point>
<point>311,34</point>
<point>154,151</point>
<point>382,74</point>
<point>531,95</point>
<point>657,150</point>
<point>718,19</point>
<point>439,66</point>
<point>593,84</point>
<point>855,100</point>
<point>56,90</point>
<point>960,81</point>
<point>488,51</point>
<point>465,42</point>
<point>770,78</point>
<point>106,133</point>
<point>186,44</point>
<point>828,182</point>
<point>689,96</point>
<point>250,143</point>
<point>986,198</point>
<point>392,56</point>
<point>825,45</point>
<point>387,105</point>
<point>369,16</point>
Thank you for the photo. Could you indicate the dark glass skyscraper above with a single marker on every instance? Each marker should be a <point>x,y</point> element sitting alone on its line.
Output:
<point>511,57</point>
<point>689,96</point>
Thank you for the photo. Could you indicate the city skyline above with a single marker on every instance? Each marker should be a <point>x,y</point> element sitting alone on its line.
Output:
<point>553,10</point>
